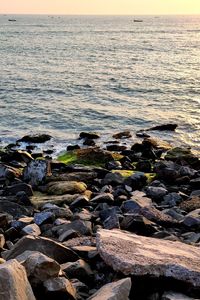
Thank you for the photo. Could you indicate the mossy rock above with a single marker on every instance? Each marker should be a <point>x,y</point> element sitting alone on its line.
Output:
<point>89,157</point>
<point>180,154</point>
<point>127,173</point>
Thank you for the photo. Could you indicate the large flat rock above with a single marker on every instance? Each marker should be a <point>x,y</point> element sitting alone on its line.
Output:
<point>137,255</point>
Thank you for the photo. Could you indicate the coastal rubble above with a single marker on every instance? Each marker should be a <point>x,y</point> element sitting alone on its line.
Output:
<point>100,222</point>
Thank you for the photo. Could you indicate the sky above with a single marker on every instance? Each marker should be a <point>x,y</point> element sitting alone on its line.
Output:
<point>96,7</point>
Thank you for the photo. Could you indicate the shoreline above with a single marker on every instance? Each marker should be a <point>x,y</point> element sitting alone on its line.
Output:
<point>74,223</point>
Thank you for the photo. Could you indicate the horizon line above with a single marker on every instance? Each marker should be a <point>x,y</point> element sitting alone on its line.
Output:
<point>50,14</point>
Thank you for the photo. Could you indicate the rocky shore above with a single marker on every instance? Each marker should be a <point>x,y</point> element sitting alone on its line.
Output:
<point>115,222</point>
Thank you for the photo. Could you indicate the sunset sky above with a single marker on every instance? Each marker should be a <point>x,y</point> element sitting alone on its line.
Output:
<point>130,7</point>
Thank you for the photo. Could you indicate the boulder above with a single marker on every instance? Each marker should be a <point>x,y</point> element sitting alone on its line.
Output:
<point>36,172</point>
<point>66,187</point>
<point>36,138</point>
<point>46,246</point>
<point>140,256</point>
<point>89,135</point>
<point>122,135</point>
<point>118,290</point>
<point>14,284</point>
<point>164,127</point>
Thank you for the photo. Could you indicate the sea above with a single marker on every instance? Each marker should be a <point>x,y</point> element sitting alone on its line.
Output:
<point>65,74</point>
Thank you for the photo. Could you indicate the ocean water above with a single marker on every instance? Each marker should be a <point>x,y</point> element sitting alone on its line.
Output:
<point>65,74</point>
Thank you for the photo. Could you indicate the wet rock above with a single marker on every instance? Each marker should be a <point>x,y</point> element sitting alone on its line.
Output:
<point>60,287</point>
<point>14,284</point>
<point>35,172</point>
<point>32,229</point>
<point>94,155</point>
<point>122,135</point>
<point>66,187</point>
<point>89,142</point>
<point>167,127</point>
<point>73,147</point>
<point>79,269</point>
<point>116,147</point>
<point>139,256</point>
<point>118,290</point>
<point>89,135</point>
<point>44,245</point>
<point>37,138</point>
<point>179,154</point>
<point>156,143</point>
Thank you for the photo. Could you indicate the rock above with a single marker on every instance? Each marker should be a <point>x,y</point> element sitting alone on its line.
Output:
<point>14,284</point>
<point>2,241</point>
<point>44,245</point>
<point>122,135</point>
<point>36,172</point>
<point>103,198</point>
<point>156,193</point>
<point>113,179</point>
<point>191,237</point>
<point>40,267</point>
<point>94,156</point>
<point>118,290</point>
<point>111,222</point>
<point>172,199</point>
<point>44,217</point>
<point>32,229</point>
<point>141,256</point>
<point>37,138</point>
<point>21,222</point>
<point>136,203</point>
<point>89,135</point>
<point>191,204</point>
<point>81,226</point>
<point>40,200</point>
<point>74,176</point>
<point>19,187</point>
<point>179,154</point>
<point>66,187</point>
<point>81,201</point>
<point>157,143</point>
<point>68,234</point>
<point>115,147</point>
<point>168,127</point>
<point>192,219</point>
<point>79,269</point>
<point>14,209</point>
<point>175,296</point>
<point>187,171</point>
<point>144,166</point>
<point>89,142</point>
<point>73,147</point>
<point>136,181</point>
<point>8,172</point>
<point>195,183</point>
<point>2,261</point>
<point>60,287</point>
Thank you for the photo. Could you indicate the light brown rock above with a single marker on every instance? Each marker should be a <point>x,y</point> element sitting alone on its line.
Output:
<point>14,284</point>
<point>137,255</point>
<point>65,187</point>
<point>118,290</point>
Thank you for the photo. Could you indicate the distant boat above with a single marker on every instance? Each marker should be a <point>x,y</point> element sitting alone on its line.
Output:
<point>138,21</point>
<point>12,20</point>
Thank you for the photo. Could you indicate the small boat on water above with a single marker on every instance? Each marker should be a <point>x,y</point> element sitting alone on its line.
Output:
<point>12,20</point>
<point>137,20</point>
